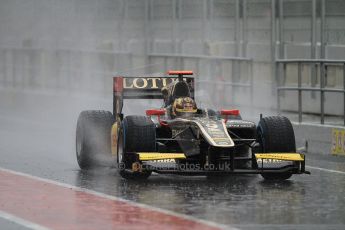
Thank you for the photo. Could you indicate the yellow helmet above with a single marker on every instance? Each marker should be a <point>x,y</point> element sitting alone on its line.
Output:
<point>184,106</point>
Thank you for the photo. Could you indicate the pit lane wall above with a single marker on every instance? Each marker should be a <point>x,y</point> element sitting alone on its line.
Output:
<point>320,139</point>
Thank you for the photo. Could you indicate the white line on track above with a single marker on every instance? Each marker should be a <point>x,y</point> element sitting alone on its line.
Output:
<point>20,221</point>
<point>325,170</point>
<point>209,223</point>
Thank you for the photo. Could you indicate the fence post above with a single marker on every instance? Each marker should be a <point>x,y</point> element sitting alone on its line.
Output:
<point>322,40</point>
<point>147,32</point>
<point>322,83</point>
<point>313,30</point>
<point>278,75</point>
<point>237,27</point>
<point>233,80</point>
<point>211,19</point>
<point>273,30</point>
<point>273,46</point>
<point>344,89</point>
<point>122,24</point>
<point>205,26</point>
<point>299,74</point>
<point>244,28</point>
<point>251,63</point>
<point>281,29</point>
<point>174,25</point>
<point>313,45</point>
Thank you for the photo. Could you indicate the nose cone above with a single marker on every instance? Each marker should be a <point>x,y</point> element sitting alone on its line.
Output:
<point>215,132</point>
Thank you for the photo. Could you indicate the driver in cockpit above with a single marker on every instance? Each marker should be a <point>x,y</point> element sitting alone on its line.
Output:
<point>177,100</point>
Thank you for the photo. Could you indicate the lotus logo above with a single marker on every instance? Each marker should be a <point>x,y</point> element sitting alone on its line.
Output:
<point>147,82</point>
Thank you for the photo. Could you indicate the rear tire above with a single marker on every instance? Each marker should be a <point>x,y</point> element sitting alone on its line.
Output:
<point>276,134</point>
<point>93,147</point>
<point>138,134</point>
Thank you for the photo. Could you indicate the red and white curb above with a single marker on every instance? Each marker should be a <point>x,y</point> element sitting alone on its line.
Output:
<point>39,203</point>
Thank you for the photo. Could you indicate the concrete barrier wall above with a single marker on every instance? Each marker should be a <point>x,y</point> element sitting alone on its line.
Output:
<point>320,139</point>
<point>54,43</point>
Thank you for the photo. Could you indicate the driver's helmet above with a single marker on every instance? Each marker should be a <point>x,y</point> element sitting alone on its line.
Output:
<point>184,107</point>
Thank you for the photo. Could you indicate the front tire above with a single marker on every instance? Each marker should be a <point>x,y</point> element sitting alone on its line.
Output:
<point>137,134</point>
<point>276,134</point>
<point>93,147</point>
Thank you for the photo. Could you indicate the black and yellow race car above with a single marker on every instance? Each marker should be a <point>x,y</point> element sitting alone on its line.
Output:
<point>180,138</point>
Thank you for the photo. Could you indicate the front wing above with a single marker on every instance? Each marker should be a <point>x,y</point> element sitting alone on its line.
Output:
<point>176,163</point>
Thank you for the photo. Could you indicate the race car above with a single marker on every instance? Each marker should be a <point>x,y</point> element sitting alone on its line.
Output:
<point>180,138</point>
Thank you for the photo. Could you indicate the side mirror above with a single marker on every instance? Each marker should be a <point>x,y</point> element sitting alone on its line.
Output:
<point>158,113</point>
<point>155,112</point>
<point>232,112</point>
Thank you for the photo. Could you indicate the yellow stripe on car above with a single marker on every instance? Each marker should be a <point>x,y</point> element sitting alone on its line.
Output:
<point>281,156</point>
<point>148,156</point>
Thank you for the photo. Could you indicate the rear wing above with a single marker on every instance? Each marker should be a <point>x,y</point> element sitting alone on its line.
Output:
<point>142,88</point>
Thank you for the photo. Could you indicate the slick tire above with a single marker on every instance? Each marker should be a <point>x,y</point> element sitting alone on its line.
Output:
<point>276,134</point>
<point>93,147</point>
<point>137,134</point>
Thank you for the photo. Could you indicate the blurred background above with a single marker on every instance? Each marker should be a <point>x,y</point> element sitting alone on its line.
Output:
<point>238,49</point>
<point>58,57</point>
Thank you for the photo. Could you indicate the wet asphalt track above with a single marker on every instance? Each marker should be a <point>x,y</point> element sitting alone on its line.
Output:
<point>41,144</point>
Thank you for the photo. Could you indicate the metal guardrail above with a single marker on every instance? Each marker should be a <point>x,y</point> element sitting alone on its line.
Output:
<point>236,70</point>
<point>322,64</point>
<point>201,57</point>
